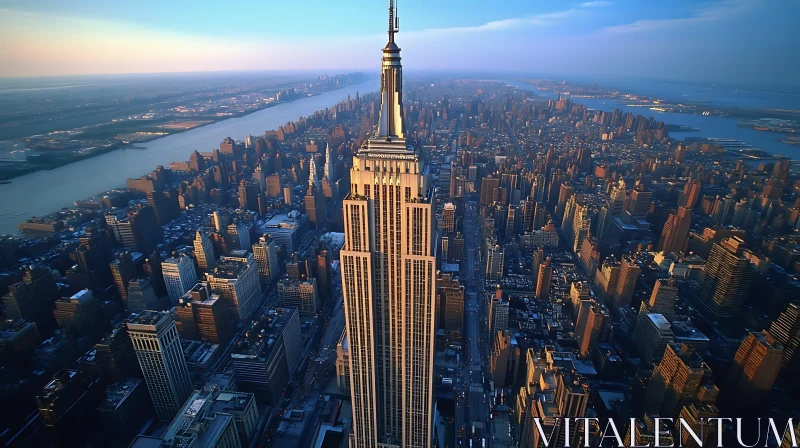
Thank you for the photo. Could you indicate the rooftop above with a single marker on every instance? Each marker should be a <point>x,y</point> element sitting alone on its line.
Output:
<point>686,332</point>
<point>189,430</point>
<point>149,318</point>
<point>263,332</point>
<point>13,328</point>
<point>116,393</point>
<point>289,220</point>
<point>659,321</point>
<point>198,295</point>
<point>229,268</point>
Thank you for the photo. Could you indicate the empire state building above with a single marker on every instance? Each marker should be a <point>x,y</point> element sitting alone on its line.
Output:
<point>388,277</point>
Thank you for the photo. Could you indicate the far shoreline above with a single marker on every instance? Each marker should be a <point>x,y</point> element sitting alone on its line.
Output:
<point>7,178</point>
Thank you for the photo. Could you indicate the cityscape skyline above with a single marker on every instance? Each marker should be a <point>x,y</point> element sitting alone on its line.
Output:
<point>550,38</point>
<point>450,261</point>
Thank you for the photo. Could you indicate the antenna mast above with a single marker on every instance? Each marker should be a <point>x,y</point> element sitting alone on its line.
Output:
<point>391,20</point>
<point>394,20</point>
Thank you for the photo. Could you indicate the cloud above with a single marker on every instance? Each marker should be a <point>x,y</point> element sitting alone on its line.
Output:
<point>594,4</point>
<point>715,12</point>
<point>542,19</point>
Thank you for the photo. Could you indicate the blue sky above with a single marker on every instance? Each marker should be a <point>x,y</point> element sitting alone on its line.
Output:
<point>740,41</point>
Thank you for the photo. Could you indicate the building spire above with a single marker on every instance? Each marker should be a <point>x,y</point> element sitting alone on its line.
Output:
<point>313,182</point>
<point>393,20</point>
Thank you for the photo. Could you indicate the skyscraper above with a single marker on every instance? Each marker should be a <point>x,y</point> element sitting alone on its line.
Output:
<point>652,337</point>
<point>204,251</point>
<point>451,305</point>
<point>494,262</point>
<point>301,295</point>
<point>235,279</point>
<point>179,276</point>
<point>662,300</point>
<point>201,315</point>
<point>626,283</point>
<point>786,329</point>
<point>265,252</point>
<point>448,217</point>
<point>158,348</point>
<point>314,202</point>
<point>593,327</point>
<point>329,172</point>
<point>123,270</point>
<point>754,369</point>
<point>388,278</point>
<point>676,380</point>
<point>676,231</point>
<point>726,278</point>
<point>543,280</point>
<point>141,296</point>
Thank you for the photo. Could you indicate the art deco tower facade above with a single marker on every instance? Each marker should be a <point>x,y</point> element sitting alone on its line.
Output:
<point>388,278</point>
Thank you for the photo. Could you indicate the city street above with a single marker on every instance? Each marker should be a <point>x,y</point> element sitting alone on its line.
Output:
<point>475,415</point>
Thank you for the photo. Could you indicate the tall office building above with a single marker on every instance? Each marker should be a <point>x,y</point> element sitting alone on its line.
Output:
<point>248,195</point>
<point>754,369</point>
<point>494,262</point>
<point>237,236</point>
<point>697,417</point>
<point>448,218</point>
<point>593,328</point>
<point>726,278</point>
<point>137,230</point>
<point>141,296</point>
<point>21,302</point>
<point>652,337</point>
<point>323,273</point>
<point>579,291</point>
<point>204,251</point>
<point>114,358</point>
<point>786,330</point>
<point>543,280</point>
<point>301,295</point>
<point>690,193</point>
<point>314,202</point>
<point>201,315</point>
<point>606,278</point>
<point>80,315</point>
<point>639,205</point>
<point>158,348</point>
<point>451,305</point>
<point>65,401</point>
<point>498,313</point>
<point>504,359</point>
<point>676,381</point>
<point>265,252</point>
<point>629,271</point>
<point>179,276</point>
<point>388,278</point>
<point>211,418</point>
<point>235,279</point>
<point>152,268</point>
<point>662,300</point>
<point>123,271</point>
<point>675,235</point>
<point>329,171</point>
<point>266,354</point>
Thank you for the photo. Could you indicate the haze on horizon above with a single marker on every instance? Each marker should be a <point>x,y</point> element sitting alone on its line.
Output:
<point>748,42</point>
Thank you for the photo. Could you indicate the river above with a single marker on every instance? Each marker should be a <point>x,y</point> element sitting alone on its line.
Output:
<point>43,192</point>
<point>710,126</point>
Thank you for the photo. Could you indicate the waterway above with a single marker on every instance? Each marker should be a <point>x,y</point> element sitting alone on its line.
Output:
<point>43,192</point>
<point>710,126</point>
